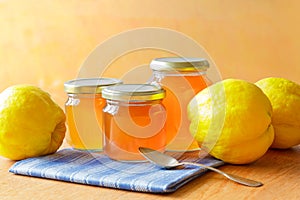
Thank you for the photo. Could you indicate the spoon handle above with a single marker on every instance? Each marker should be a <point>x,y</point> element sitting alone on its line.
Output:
<point>235,178</point>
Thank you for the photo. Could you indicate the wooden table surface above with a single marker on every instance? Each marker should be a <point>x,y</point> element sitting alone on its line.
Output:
<point>279,170</point>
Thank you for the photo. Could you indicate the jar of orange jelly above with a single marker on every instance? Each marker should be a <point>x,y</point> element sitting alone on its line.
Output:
<point>84,112</point>
<point>182,78</point>
<point>133,117</point>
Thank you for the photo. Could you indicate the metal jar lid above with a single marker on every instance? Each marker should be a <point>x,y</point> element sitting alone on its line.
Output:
<point>133,92</point>
<point>179,64</point>
<point>89,85</point>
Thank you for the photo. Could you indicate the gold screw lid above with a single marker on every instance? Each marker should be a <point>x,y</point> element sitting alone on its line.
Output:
<point>133,92</point>
<point>179,64</point>
<point>89,85</point>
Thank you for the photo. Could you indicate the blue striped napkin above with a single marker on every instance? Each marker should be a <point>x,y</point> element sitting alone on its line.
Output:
<point>97,169</point>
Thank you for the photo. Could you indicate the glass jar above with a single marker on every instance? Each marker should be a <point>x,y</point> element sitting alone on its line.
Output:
<point>133,117</point>
<point>182,78</point>
<point>84,112</point>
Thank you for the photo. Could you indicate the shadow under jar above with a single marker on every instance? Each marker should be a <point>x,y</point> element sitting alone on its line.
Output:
<point>134,116</point>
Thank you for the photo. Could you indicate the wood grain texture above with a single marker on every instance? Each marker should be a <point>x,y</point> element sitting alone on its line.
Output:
<point>279,170</point>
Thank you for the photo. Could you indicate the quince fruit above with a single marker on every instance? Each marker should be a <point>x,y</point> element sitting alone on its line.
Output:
<point>231,120</point>
<point>31,123</point>
<point>285,99</point>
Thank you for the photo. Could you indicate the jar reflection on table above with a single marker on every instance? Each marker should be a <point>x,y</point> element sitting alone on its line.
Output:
<point>84,112</point>
<point>182,78</point>
<point>134,116</point>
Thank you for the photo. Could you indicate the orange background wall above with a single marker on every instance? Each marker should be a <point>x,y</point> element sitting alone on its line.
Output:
<point>45,42</point>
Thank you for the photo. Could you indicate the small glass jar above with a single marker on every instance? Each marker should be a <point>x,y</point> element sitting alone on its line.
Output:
<point>84,112</point>
<point>182,78</point>
<point>133,117</point>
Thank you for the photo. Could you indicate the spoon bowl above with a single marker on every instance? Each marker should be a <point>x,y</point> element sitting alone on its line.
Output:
<point>169,162</point>
<point>159,159</point>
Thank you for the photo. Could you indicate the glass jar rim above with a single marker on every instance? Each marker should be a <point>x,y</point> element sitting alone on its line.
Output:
<point>185,64</point>
<point>89,85</point>
<point>133,92</point>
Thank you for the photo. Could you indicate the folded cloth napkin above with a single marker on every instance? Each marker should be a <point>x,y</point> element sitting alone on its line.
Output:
<point>97,169</point>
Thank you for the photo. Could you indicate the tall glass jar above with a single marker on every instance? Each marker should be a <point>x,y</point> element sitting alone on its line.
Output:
<point>84,111</point>
<point>182,78</point>
<point>133,117</point>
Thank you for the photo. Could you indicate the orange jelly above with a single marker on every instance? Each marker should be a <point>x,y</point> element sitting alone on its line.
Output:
<point>182,78</point>
<point>133,117</point>
<point>84,112</point>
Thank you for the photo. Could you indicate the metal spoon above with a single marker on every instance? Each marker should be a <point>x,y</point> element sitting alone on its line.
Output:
<point>168,162</point>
